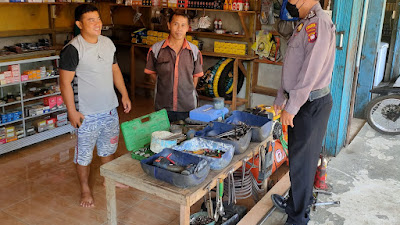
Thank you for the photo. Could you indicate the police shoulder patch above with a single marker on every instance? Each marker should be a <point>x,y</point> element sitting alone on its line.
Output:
<point>311,30</point>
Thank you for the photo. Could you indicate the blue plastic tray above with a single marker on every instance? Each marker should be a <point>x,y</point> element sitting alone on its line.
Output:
<point>182,159</point>
<point>261,126</point>
<point>201,143</point>
<point>207,113</point>
<point>217,128</point>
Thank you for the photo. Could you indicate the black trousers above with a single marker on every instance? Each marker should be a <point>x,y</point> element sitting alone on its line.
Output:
<point>176,116</point>
<point>305,144</point>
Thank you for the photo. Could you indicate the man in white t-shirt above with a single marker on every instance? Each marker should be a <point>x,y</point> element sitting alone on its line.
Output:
<point>88,73</point>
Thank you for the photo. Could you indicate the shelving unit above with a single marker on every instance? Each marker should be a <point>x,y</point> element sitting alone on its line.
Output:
<point>28,140</point>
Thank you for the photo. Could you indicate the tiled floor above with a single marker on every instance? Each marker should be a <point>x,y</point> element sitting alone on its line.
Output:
<point>39,185</point>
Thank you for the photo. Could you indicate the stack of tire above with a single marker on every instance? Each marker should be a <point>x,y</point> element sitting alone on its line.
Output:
<point>218,80</point>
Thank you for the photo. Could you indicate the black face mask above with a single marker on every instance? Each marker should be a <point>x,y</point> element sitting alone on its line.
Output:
<point>293,10</point>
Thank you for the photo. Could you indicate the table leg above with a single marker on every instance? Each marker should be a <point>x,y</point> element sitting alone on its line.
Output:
<point>111,202</point>
<point>185,215</point>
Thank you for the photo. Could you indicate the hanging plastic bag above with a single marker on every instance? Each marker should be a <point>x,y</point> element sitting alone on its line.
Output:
<point>284,15</point>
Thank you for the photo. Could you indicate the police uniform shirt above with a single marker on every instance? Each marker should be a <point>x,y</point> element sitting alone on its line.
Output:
<point>309,59</point>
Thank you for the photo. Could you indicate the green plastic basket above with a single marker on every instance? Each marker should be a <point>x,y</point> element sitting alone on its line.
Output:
<point>137,132</point>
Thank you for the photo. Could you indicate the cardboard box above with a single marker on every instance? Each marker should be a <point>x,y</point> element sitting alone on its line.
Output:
<point>60,101</point>
<point>24,77</point>
<point>7,74</point>
<point>61,116</point>
<point>2,77</point>
<point>61,123</point>
<point>11,139</point>
<point>40,125</point>
<point>51,123</point>
<point>50,101</point>
<point>10,129</point>
<point>3,141</point>
<point>46,109</point>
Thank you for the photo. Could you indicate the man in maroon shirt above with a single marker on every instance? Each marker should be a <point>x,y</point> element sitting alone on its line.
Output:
<point>176,65</point>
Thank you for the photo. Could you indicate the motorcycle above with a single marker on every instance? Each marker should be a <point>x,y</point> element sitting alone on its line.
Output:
<point>383,112</point>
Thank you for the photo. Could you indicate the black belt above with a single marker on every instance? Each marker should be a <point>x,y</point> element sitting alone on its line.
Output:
<point>316,94</point>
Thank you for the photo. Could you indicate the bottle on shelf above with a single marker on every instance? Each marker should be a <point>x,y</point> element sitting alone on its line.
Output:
<point>215,24</point>
<point>234,5</point>
<point>226,5</point>
<point>247,5</point>
<point>239,6</point>
<point>230,5</point>
<point>219,24</point>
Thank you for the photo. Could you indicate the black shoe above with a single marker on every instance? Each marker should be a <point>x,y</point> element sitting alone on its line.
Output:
<point>279,202</point>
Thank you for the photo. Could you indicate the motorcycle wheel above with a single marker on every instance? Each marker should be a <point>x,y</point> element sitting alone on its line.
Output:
<point>383,114</point>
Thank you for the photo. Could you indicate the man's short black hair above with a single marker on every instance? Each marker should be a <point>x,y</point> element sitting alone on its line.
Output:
<point>82,9</point>
<point>178,13</point>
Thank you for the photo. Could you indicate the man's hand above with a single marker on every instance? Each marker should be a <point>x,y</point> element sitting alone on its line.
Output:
<point>126,103</point>
<point>278,108</point>
<point>76,118</point>
<point>287,118</point>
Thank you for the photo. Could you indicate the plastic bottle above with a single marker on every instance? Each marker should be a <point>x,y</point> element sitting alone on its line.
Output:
<point>215,24</point>
<point>220,24</point>
<point>239,5</point>
<point>234,5</point>
<point>247,5</point>
<point>226,5</point>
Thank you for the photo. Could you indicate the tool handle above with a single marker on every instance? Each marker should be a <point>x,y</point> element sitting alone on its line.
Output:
<point>221,187</point>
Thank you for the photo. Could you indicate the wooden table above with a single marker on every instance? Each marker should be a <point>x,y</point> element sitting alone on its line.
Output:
<point>128,171</point>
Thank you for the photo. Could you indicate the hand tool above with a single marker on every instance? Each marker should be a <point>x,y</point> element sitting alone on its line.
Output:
<point>210,203</point>
<point>216,214</point>
<point>221,193</point>
<point>167,164</point>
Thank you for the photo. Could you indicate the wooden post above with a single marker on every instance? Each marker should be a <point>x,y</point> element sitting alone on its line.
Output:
<point>132,55</point>
<point>235,82</point>
<point>372,39</point>
<point>111,202</point>
<point>185,214</point>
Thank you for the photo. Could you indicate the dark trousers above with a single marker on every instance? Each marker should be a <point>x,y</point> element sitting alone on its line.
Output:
<point>176,116</point>
<point>305,144</point>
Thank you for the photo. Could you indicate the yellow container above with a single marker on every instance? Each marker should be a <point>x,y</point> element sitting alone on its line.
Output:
<point>189,38</point>
<point>242,46</point>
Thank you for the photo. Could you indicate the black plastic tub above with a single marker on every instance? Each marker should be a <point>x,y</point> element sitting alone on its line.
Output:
<point>177,179</point>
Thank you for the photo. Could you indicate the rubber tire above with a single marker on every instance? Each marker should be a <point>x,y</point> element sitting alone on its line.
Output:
<point>371,105</point>
<point>224,76</point>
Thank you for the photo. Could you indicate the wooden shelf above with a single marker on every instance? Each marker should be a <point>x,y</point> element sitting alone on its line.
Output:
<point>215,54</point>
<point>14,33</point>
<point>41,3</point>
<point>266,61</point>
<point>28,55</point>
<point>197,9</point>
<point>217,36</point>
<point>265,91</point>
<point>239,101</point>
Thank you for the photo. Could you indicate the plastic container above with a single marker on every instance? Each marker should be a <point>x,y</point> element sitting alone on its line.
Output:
<point>217,128</point>
<point>177,179</point>
<point>158,143</point>
<point>137,132</point>
<point>261,127</point>
<point>201,214</point>
<point>207,113</point>
<point>380,63</point>
<point>219,103</point>
<point>201,143</point>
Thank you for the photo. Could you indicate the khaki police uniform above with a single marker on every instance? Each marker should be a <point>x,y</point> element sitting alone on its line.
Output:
<point>306,77</point>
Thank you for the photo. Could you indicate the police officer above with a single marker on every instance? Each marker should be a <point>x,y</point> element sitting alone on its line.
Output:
<point>305,101</point>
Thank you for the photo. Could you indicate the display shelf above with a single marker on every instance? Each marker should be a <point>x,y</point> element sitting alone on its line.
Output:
<point>29,56</point>
<point>42,96</point>
<point>11,103</point>
<point>6,85</point>
<point>266,61</point>
<point>54,111</point>
<point>44,78</point>
<point>241,57</point>
<point>215,35</point>
<point>5,124</point>
<point>178,8</point>
<point>13,33</point>
<point>29,140</point>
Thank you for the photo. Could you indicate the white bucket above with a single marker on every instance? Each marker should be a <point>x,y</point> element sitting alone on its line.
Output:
<point>158,143</point>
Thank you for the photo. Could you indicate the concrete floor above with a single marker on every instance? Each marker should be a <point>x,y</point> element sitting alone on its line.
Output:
<point>366,180</point>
